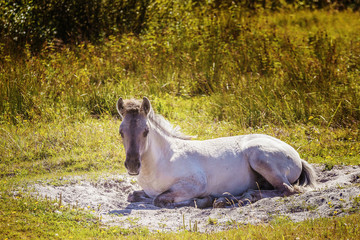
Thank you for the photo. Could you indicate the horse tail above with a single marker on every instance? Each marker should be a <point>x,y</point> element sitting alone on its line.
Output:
<point>307,176</point>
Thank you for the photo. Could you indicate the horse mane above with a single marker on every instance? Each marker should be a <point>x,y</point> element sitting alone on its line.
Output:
<point>160,123</point>
<point>133,106</point>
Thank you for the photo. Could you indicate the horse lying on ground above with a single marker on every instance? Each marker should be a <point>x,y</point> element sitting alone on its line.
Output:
<point>176,172</point>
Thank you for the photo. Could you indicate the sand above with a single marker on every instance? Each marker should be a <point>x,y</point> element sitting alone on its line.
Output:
<point>337,193</point>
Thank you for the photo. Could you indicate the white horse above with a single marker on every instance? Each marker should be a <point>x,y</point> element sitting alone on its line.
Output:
<point>175,171</point>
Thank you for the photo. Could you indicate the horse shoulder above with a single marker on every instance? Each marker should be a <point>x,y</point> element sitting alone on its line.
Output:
<point>179,170</point>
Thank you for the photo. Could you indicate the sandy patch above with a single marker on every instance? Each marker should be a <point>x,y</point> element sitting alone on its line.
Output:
<point>338,193</point>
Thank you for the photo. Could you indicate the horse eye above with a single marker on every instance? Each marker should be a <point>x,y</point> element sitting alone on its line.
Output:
<point>146,132</point>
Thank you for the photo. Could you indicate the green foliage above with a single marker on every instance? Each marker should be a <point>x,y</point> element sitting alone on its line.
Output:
<point>34,22</point>
<point>275,68</point>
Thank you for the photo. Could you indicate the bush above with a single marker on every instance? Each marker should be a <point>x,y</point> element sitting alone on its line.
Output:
<point>34,22</point>
<point>71,21</point>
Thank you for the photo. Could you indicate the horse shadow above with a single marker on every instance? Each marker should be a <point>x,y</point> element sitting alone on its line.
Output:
<point>144,205</point>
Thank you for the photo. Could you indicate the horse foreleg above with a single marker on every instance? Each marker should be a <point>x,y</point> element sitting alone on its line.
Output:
<point>184,193</point>
<point>139,196</point>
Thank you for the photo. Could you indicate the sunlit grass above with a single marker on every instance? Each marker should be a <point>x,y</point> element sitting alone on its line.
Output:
<point>214,72</point>
<point>60,146</point>
<point>94,145</point>
<point>278,68</point>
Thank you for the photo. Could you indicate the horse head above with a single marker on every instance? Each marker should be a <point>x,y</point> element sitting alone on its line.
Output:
<point>134,131</point>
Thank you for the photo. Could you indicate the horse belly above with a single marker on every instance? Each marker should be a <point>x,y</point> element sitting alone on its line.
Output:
<point>232,178</point>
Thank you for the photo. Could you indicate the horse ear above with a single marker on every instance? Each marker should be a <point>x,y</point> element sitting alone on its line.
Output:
<point>146,105</point>
<point>120,106</point>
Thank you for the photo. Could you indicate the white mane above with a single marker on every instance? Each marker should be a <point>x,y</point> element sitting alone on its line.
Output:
<point>164,126</point>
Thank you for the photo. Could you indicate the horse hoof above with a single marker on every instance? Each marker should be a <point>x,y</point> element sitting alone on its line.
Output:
<point>137,196</point>
<point>219,204</point>
<point>131,198</point>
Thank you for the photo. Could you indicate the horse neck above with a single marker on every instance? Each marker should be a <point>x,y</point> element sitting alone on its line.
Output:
<point>159,150</point>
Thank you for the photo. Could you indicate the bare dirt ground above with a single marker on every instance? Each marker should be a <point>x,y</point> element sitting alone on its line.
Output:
<point>338,193</point>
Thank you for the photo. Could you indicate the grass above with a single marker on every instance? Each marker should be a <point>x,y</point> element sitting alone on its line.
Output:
<point>49,150</point>
<point>66,146</point>
<point>214,72</point>
<point>280,68</point>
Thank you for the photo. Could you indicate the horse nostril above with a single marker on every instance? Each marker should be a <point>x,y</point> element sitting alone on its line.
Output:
<point>132,163</point>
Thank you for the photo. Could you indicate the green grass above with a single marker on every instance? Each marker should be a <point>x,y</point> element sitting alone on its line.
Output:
<point>280,68</point>
<point>49,150</point>
<point>67,146</point>
<point>212,71</point>
<point>61,146</point>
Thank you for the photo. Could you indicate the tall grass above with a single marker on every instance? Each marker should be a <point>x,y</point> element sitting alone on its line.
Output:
<point>279,68</point>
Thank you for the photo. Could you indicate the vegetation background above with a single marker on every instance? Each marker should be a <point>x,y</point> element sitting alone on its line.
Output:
<point>288,68</point>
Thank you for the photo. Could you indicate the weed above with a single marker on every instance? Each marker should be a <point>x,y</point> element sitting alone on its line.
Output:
<point>279,219</point>
<point>212,221</point>
<point>328,166</point>
<point>162,225</point>
<point>231,222</point>
<point>355,207</point>
<point>133,220</point>
<point>302,207</point>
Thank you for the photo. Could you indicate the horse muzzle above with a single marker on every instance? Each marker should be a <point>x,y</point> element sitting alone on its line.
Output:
<point>133,164</point>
